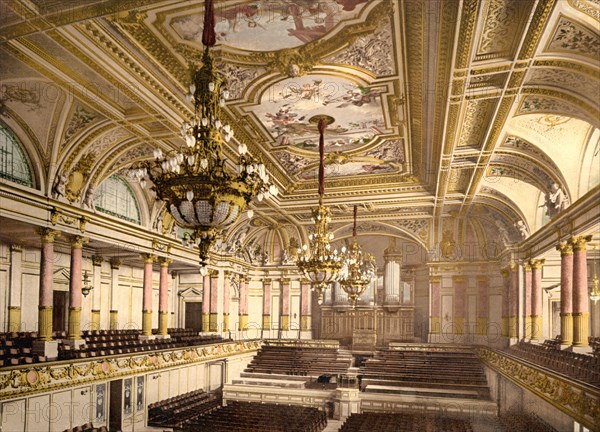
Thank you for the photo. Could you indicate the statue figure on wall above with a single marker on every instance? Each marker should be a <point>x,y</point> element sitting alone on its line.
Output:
<point>59,188</point>
<point>88,201</point>
<point>556,201</point>
<point>520,225</point>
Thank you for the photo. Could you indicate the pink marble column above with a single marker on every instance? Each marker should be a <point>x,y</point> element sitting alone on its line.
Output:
<point>46,299</point>
<point>566,292</point>
<point>527,305</point>
<point>205,302</point>
<point>147,295</point>
<point>266,304</point>
<point>243,308</point>
<point>284,322</point>
<point>536,299</point>
<point>460,293</point>
<point>305,303</point>
<point>163,297</point>
<point>482,314</point>
<point>436,285</point>
<point>514,301</point>
<point>580,292</point>
<point>213,324</point>
<point>75,276</point>
<point>226,291</point>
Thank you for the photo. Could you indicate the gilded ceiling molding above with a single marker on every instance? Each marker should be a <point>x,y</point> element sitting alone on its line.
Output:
<point>502,28</point>
<point>414,35</point>
<point>466,33</point>
<point>582,86</point>
<point>153,82</point>
<point>541,100</point>
<point>449,15</point>
<point>44,18</point>
<point>500,118</point>
<point>536,28</point>
<point>477,116</point>
<point>570,65</point>
<point>588,7</point>
<point>518,146</point>
<point>134,27</point>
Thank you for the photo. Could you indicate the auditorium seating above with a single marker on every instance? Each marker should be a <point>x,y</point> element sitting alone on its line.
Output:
<point>174,412</point>
<point>516,420</point>
<point>254,417</point>
<point>439,373</point>
<point>16,347</point>
<point>303,361</point>
<point>404,422</point>
<point>578,366</point>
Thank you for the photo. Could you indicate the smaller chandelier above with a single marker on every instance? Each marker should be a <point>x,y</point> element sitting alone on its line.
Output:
<point>358,268</point>
<point>317,261</point>
<point>203,192</point>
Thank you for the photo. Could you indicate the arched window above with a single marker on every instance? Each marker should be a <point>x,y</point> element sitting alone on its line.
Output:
<point>14,165</point>
<point>116,198</point>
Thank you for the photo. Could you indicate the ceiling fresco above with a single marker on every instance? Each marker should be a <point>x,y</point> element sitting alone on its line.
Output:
<point>439,107</point>
<point>269,25</point>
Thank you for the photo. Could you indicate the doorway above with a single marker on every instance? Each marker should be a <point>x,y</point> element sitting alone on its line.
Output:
<point>115,411</point>
<point>59,310</point>
<point>193,315</point>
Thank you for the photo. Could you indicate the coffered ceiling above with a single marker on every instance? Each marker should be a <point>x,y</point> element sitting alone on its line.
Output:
<point>450,115</point>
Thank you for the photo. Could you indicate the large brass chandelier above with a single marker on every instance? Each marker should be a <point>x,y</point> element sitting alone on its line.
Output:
<point>358,268</point>
<point>202,191</point>
<point>317,261</point>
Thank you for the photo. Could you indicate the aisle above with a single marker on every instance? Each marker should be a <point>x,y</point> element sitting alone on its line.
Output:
<point>333,425</point>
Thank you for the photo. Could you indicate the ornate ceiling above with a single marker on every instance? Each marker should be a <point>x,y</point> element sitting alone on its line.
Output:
<point>452,117</point>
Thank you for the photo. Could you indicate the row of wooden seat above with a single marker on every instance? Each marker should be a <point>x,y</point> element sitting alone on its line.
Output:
<point>442,372</point>
<point>174,412</point>
<point>254,417</point>
<point>299,361</point>
<point>579,366</point>
<point>517,420</point>
<point>404,422</point>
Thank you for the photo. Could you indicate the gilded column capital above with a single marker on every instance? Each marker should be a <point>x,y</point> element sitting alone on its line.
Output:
<point>579,243</point>
<point>77,242</point>
<point>513,266</point>
<point>482,278</point>
<point>227,273</point>
<point>148,258</point>
<point>266,281</point>
<point>536,264</point>
<point>435,279</point>
<point>115,263</point>
<point>164,262</point>
<point>505,272</point>
<point>97,260</point>
<point>527,266</point>
<point>214,274</point>
<point>458,278</point>
<point>285,280</point>
<point>48,234</point>
<point>16,247</point>
<point>565,248</point>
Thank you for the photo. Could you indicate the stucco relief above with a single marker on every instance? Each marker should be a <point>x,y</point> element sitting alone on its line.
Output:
<point>371,52</point>
<point>574,37</point>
